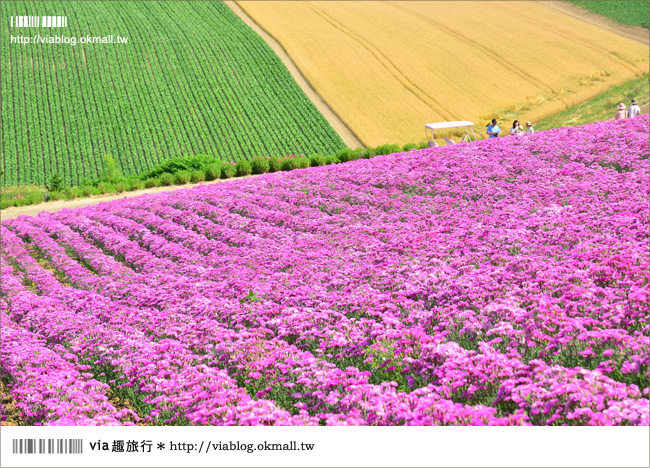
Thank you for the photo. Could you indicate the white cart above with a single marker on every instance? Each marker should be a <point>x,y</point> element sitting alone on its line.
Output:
<point>429,129</point>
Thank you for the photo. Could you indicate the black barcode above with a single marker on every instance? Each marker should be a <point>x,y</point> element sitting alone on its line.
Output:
<point>39,21</point>
<point>72,446</point>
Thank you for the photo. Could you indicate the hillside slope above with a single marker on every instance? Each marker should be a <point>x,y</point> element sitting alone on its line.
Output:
<point>499,282</point>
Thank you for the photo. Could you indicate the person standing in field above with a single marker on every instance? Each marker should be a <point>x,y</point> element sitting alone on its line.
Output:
<point>516,128</point>
<point>633,110</point>
<point>529,128</point>
<point>620,114</point>
<point>493,130</point>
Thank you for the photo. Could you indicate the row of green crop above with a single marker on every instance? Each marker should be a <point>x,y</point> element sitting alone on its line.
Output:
<point>192,78</point>
<point>183,170</point>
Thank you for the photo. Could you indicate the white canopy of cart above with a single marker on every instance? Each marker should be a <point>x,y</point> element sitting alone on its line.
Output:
<point>429,128</point>
<point>441,125</point>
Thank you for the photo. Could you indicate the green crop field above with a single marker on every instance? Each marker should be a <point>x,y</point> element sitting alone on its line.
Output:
<point>629,12</point>
<point>191,78</point>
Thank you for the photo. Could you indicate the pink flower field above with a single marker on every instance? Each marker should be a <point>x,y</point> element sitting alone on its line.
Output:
<point>500,282</point>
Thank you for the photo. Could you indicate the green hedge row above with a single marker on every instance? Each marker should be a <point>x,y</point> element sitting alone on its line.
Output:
<point>184,170</point>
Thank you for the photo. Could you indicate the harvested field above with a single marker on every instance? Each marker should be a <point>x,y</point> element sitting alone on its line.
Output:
<point>387,68</point>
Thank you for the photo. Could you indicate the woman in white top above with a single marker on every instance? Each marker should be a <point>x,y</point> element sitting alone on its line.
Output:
<point>529,128</point>
<point>516,128</point>
<point>620,114</point>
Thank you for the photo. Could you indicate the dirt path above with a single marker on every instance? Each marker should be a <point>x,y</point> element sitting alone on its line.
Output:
<point>33,210</point>
<point>636,33</point>
<point>344,132</point>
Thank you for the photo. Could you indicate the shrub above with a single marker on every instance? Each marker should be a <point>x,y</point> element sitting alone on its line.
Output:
<point>197,176</point>
<point>166,179</point>
<point>302,162</point>
<point>260,165</point>
<point>35,197</point>
<point>111,171</point>
<point>275,165</point>
<point>244,168</point>
<point>212,171</point>
<point>409,146</point>
<point>87,181</point>
<point>106,188</point>
<point>343,155</point>
<point>21,195</point>
<point>387,149</point>
<point>73,192</point>
<point>135,185</point>
<point>8,203</point>
<point>53,196</point>
<point>331,159</point>
<point>316,160</point>
<point>182,177</point>
<point>88,190</point>
<point>119,187</point>
<point>355,154</point>
<point>18,201</point>
<point>152,182</point>
<point>22,201</point>
<point>368,153</point>
<point>423,145</point>
<point>289,164</point>
<point>55,184</point>
<point>228,170</point>
<point>181,163</point>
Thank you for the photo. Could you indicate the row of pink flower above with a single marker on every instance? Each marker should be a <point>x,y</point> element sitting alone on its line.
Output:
<point>46,383</point>
<point>500,282</point>
<point>102,335</point>
<point>209,411</point>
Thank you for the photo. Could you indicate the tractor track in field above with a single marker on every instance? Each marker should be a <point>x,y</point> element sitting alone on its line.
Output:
<point>348,137</point>
<point>390,67</point>
<point>508,65</point>
<point>582,15</point>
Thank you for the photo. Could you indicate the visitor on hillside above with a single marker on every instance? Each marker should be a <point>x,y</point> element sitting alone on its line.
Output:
<point>633,110</point>
<point>620,114</point>
<point>516,128</point>
<point>493,130</point>
<point>529,128</point>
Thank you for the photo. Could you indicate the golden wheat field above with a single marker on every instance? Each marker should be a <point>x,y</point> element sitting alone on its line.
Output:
<point>388,68</point>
